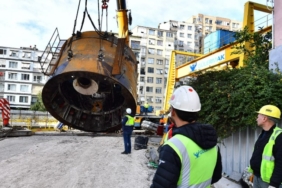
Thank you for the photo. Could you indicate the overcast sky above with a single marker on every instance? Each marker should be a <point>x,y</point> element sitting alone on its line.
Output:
<point>32,22</point>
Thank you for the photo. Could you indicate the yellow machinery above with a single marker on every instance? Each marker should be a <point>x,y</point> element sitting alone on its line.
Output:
<point>93,76</point>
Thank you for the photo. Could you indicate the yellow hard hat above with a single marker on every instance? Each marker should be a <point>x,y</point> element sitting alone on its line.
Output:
<point>270,110</point>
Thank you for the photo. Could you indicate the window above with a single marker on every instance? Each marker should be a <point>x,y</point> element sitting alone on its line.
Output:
<point>158,100</point>
<point>3,52</point>
<point>26,66</point>
<point>13,53</point>
<point>160,52</point>
<point>218,22</point>
<point>37,78</point>
<point>11,98</point>
<point>142,78</point>
<point>169,35</point>
<point>159,42</point>
<point>180,43</point>
<point>24,88</point>
<point>150,60</point>
<point>210,21</point>
<point>151,51</point>
<point>11,87</point>
<point>159,71</point>
<point>189,43</point>
<point>160,33</point>
<point>166,62</point>
<point>159,62</point>
<point>151,32</point>
<point>142,71</point>
<point>2,63</point>
<point>149,89</point>
<point>26,54</point>
<point>13,76</point>
<point>189,27</point>
<point>206,20</point>
<point>159,80</point>
<point>23,99</point>
<point>150,70</point>
<point>25,77</point>
<point>181,34</point>
<point>150,80</point>
<point>135,44</point>
<point>189,36</point>
<point>181,27</point>
<point>13,64</point>
<point>152,42</point>
<point>158,90</point>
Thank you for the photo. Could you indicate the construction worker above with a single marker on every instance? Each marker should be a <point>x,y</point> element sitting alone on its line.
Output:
<point>266,160</point>
<point>191,157</point>
<point>127,129</point>
<point>146,106</point>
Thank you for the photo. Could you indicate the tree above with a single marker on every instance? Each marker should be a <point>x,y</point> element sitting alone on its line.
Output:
<point>38,106</point>
<point>230,98</point>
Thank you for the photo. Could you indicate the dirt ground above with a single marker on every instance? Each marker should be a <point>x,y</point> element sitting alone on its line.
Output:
<point>71,161</point>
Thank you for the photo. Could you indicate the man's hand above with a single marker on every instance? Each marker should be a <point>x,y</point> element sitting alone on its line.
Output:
<point>271,186</point>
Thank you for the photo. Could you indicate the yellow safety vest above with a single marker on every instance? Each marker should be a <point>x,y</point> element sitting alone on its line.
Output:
<point>268,160</point>
<point>197,164</point>
<point>130,121</point>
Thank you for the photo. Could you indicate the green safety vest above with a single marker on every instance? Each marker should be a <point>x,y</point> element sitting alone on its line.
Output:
<point>130,121</point>
<point>268,160</point>
<point>197,164</point>
<point>146,105</point>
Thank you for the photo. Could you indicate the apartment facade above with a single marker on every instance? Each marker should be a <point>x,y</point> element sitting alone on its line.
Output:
<point>153,47</point>
<point>20,76</point>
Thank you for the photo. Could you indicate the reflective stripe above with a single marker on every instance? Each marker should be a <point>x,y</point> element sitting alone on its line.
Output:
<point>201,185</point>
<point>185,176</point>
<point>268,158</point>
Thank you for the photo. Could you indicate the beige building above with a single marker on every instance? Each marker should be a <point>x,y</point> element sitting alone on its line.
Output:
<point>153,47</point>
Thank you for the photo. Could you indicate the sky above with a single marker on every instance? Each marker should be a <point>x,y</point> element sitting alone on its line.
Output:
<point>32,22</point>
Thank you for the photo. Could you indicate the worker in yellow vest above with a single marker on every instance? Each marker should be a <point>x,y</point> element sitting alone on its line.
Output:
<point>127,129</point>
<point>191,157</point>
<point>146,106</point>
<point>266,160</point>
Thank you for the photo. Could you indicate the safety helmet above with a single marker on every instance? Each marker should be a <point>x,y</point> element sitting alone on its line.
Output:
<point>185,98</point>
<point>270,110</point>
<point>128,110</point>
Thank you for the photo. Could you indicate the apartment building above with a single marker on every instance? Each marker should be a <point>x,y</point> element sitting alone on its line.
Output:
<point>152,47</point>
<point>205,24</point>
<point>20,76</point>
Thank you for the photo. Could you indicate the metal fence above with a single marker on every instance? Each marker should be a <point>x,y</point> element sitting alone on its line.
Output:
<point>236,151</point>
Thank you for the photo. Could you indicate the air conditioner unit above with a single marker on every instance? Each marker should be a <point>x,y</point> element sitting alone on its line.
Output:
<point>23,55</point>
<point>152,100</point>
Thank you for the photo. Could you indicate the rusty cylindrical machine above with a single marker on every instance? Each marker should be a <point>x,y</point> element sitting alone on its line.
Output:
<point>93,81</point>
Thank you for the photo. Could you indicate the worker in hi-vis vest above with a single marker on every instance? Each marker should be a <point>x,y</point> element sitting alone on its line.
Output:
<point>146,106</point>
<point>191,157</point>
<point>127,129</point>
<point>266,160</point>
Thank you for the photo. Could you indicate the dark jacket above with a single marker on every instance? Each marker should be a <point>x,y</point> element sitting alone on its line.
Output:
<point>124,127</point>
<point>256,158</point>
<point>168,171</point>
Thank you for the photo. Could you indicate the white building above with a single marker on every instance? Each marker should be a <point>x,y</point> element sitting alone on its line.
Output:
<point>20,76</point>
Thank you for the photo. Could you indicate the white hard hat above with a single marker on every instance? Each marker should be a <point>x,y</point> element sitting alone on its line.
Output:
<point>128,110</point>
<point>185,98</point>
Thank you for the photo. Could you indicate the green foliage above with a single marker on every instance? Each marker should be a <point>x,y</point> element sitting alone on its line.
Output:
<point>230,98</point>
<point>38,106</point>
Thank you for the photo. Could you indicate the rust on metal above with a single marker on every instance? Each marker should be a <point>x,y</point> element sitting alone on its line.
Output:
<point>84,92</point>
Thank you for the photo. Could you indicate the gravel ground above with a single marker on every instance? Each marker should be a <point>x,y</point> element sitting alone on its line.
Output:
<point>71,161</point>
